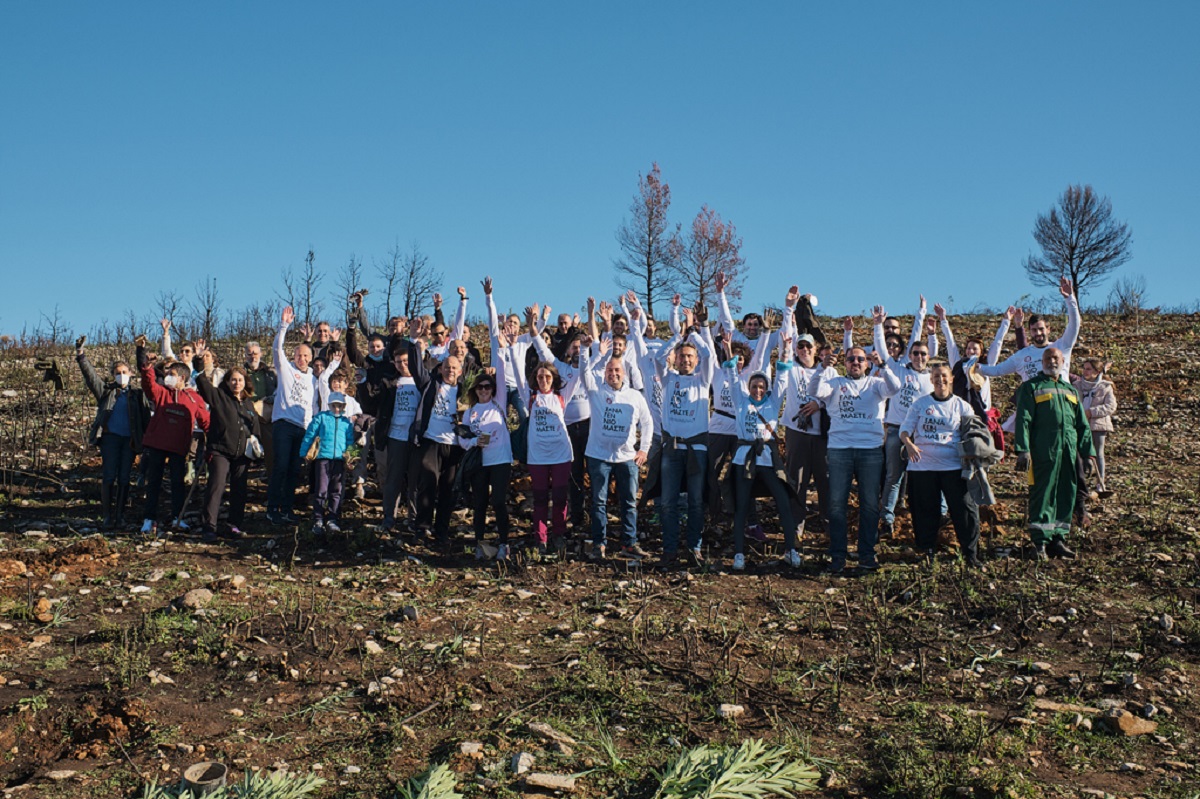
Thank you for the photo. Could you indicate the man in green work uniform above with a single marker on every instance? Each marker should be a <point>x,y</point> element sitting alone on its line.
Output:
<point>1051,430</point>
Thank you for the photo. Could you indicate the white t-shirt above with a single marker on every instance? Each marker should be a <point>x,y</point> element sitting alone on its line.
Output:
<point>548,441</point>
<point>933,426</point>
<point>855,408</point>
<point>405,408</point>
<point>914,385</point>
<point>617,417</point>
<point>488,418</point>
<point>441,416</point>
<point>798,392</point>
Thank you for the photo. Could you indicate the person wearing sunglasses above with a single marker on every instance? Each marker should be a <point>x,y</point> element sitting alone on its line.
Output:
<point>805,434</point>
<point>486,423</point>
<point>855,450</point>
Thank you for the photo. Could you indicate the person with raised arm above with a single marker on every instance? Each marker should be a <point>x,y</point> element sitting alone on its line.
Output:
<point>806,435</point>
<point>913,374</point>
<point>398,399</point>
<point>855,452</point>
<point>295,402</point>
<point>178,410</point>
<point>436,452</point>
<point>1027,362</point>
<point>122,413</point>
<point>891,327</point>
<point>687,369</point>
<point>510,345</point>
<point>972,386</point>
<point>577,412</point>
<point>232,422</point>
<point>619,421</point>
<point>550,453</point>
<point>756,458</point>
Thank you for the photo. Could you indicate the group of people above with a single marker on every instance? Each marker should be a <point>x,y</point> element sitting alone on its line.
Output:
<point>603,407</point>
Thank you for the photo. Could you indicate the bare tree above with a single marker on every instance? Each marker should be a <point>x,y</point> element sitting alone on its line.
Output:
<point>1080,240</point>
<point>418,281</point>
<point>301,290</point>
<point>644,264</point>
<point>349,279</point>
<point>710,246</point>
<point>56,327</point>
<point>168,303</point>
<point>389,271</point>
<point>206,308</point>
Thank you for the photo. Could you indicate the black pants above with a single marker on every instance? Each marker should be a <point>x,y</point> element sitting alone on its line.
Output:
<point>925,492</point>
<point>720,451</point>
<point>489,486</point>
<point>437,466</point>
<point>745,498</point>
<point>578,433</point>
<point>807,462</point>
<point>235,471</point>
<point>397,481</point>
<point>156,461</point>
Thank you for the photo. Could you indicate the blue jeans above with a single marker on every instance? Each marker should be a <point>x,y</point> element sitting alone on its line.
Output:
<point>866,467</point>
<point>116,457</point>
<point>674,473</point>
<point>894,473</point>
<point>626,474</point>
<point>514,401</point>
<point>281,489</point>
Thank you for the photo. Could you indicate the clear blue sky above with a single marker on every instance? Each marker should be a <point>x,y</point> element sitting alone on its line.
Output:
<point>867,151</point>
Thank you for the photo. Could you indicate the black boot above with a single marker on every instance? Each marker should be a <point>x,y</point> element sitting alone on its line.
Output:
<point>106,506</point>
<point>1058,549</point>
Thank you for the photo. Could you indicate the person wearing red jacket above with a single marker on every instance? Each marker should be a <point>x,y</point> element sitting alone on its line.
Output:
<point>177,411</point>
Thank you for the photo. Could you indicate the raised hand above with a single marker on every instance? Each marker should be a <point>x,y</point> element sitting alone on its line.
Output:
<point>930,324</point>
<point>79,342</point>
<point>719,282</point>
<point>848,324</point>
<point>437,300</point>
<point>701,312</point>
<point>605,345</point>
<point>922,303</point>
<point>792,296</point>
<point>631,298</point>
<point>676,299</point>
<point>879,315</point>
<point>635,313</point>
<point>166,324</point>
<point>140,342</point>
<point>1065,288</point>
<point>335,334</point>
<point>591,305</point>
<point>306,330</point>
<point>827,359</point>
<point>1019,318</point>
<point>606,312</point>
<point>874,357</point>
<point>287,316</point>
<point>1010,312</point>
<point>545,312</point>
<point>940,310</point>
<point>689,318</point>
<point>575,320</point>
<point>201,346</point>
<point>487,285</point>
<point>462,292</point>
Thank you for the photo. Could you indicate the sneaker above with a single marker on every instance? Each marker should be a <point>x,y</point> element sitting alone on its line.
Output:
<point>318,528</point>
<point>634,551</point>
<point>669,562</point>
<point>208,535</point>
<point>290,518</point>
<point>360,493</point>
<point>598,551</point>
<point>148,527</point>
<point>234,533</point>
<point>332,527</point>
<point>1039,552</point>
<point>479,553</point>
<point>560,547</point>
<point>793,558</point>
<point>835,567</point>
<point>274,518</point>
<point>180,525</point>
<point>870,565</point>
<point>1058,549</point>
<point>739,562</point>
<point>502,552</point>
<point>755,531</point>
<point>886,528</point>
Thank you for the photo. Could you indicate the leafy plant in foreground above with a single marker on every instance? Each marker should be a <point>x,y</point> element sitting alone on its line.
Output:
<point>750,771</point>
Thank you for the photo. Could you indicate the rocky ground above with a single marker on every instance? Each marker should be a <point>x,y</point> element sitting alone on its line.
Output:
<point>123,659</point>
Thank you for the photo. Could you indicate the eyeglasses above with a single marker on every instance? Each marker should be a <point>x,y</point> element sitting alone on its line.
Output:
<point>485,387</point>
<point>855,358</point>
<point>805,345</point>
<point>921,353</point>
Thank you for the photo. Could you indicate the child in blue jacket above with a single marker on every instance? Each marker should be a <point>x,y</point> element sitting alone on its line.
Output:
<point>335,432</point>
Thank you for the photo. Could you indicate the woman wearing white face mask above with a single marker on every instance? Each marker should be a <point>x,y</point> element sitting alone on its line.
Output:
<point>121,417</point>
<point>177,410</point>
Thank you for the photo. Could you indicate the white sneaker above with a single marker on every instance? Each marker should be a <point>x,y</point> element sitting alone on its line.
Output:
<point>180,525</point>
<point>739,562</point>
<point>332,527</point>
<point>147,527</point>
<point>502,552</point>
<point>793,558</point>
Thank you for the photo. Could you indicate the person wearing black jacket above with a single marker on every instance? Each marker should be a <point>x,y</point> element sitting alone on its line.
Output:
<point>434,440</point>
<point>398,401</point>
<point>122,414</point>
<point>232,421</point>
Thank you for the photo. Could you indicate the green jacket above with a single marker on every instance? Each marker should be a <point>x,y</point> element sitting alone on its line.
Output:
<point>1050,420</point>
